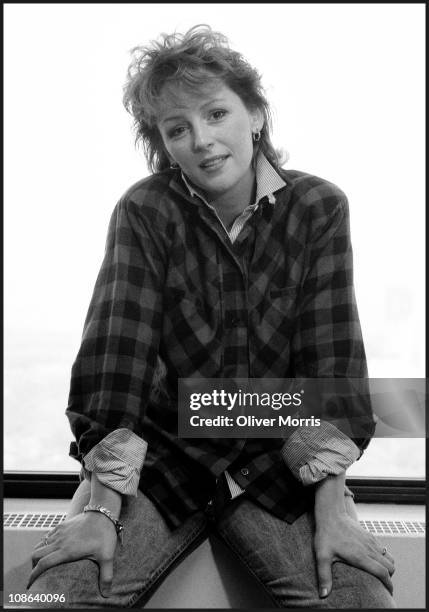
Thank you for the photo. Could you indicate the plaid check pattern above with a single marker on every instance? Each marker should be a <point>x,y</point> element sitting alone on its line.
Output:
<point>175,298</point>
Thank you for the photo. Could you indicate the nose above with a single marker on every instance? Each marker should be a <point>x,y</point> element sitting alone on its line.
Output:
<point>202,137</point>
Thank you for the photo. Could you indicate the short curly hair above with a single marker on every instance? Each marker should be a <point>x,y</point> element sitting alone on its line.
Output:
<point>189,59</point>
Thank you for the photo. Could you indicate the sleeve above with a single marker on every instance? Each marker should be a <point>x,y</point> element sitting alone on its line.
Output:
<point>117,460</point>
<point>311,454</point>
<point>112,375</point>
<point>328,344</point>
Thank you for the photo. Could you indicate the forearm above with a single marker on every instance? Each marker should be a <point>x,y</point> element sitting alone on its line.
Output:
<point>104,496</point>
<point>329,498</point>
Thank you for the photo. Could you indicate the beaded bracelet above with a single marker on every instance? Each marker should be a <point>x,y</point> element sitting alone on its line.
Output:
<point>118,526</point>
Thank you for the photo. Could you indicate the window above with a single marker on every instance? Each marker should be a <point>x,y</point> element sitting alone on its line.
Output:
<point>350,112</point>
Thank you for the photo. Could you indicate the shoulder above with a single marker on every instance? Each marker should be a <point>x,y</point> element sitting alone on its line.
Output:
<point>152,203</point>
<point>149,192</point>
<point>313,195</point>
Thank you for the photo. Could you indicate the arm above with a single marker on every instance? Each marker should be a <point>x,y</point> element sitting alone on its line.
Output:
<point>110,386</point>
<point>89,535</point>
<point>340,537</point>
<point>328,344</point>
<point>112,375</point>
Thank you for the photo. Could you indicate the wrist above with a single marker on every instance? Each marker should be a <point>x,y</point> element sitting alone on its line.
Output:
<point>329,497</point>
<point>101,495</point>
<point>98,509</point>
<point>329,514</point>
<point>97,518</point>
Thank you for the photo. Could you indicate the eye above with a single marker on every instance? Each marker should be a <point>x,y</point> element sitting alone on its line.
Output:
<point>177,131</point>
<point>218,114</point>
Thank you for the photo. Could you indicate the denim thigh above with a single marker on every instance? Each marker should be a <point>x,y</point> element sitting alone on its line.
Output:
<point>281,556</point>
<point>149,551</point>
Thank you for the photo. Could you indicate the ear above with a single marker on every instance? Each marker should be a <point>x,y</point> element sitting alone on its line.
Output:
<point>257,120</point>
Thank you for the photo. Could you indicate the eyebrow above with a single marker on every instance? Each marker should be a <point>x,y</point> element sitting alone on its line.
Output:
<point>176,117</point>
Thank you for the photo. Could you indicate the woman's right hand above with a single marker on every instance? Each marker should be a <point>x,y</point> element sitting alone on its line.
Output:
<point>89,535</point>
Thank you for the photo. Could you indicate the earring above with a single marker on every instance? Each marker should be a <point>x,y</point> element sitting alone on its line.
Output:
<point>174,165</point>
<point>256,136</point>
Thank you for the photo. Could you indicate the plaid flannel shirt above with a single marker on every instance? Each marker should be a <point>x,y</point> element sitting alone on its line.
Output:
<point>175,294</point>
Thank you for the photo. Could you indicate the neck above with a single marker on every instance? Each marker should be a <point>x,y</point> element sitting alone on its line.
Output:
<point>231,205</point>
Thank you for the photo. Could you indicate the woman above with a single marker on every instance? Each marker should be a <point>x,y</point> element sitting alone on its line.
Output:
<point>219,265</point>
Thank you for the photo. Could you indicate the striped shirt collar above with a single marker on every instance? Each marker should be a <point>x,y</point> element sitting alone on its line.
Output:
<point>268,181</point>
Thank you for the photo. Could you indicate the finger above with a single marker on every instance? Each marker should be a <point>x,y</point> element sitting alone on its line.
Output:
<point>375,568</point>
<point>106,577</point>
<point>390,565</point>
<point>383,559</point>
<point>51,532</point>
<point>377,546</point>
<point>49,536</point>
<point>381,554</point>
<point>42,552</point>
<point>324,574</point>
<point>386,554</point>
<point>45,563</point>
<point>43,543</point>
<point>390,557</point>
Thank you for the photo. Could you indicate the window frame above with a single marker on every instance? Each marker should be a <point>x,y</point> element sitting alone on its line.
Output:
<point>62,485</point>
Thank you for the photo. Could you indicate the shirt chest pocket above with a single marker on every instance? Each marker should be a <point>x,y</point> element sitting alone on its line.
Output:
<point>191,312</point>
<point>179,304</point>
<point>278,310</point>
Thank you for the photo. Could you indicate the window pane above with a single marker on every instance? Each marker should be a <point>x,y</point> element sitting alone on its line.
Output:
<point>392,457</point>
<point>37,373</point>
<point>70,156</point>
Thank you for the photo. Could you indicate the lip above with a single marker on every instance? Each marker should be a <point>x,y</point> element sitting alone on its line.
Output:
<point>213,163</point>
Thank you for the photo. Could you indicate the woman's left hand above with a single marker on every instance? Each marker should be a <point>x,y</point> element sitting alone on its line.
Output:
<point>339,537</point>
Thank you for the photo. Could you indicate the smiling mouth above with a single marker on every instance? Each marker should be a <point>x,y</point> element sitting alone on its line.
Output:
<point>213,162</point>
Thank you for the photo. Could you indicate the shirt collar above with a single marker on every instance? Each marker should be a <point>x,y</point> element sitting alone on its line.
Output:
<point>267,181</point>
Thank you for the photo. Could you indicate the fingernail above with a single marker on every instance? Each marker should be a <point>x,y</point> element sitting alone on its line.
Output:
<point>323,592</point>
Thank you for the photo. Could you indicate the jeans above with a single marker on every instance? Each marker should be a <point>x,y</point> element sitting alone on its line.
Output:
<point>279,555</point>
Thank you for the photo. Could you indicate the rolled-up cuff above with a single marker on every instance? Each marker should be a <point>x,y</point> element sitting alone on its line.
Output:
<point>117,460</point>
<point>313,453</point>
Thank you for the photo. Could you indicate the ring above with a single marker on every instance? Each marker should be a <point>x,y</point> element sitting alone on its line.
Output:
<point>384,551</point>
<point>45,540</point>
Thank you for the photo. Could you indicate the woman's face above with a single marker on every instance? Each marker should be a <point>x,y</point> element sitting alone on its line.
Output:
<point>209,134</point>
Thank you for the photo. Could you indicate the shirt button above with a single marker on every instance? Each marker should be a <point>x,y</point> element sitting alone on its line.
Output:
<point>245,471</point>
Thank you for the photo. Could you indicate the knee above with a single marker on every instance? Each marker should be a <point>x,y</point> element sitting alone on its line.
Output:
<point>355,588</point>
<point>69,585</point>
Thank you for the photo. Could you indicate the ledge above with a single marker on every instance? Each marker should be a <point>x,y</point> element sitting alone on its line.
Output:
<point>62,485</point>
